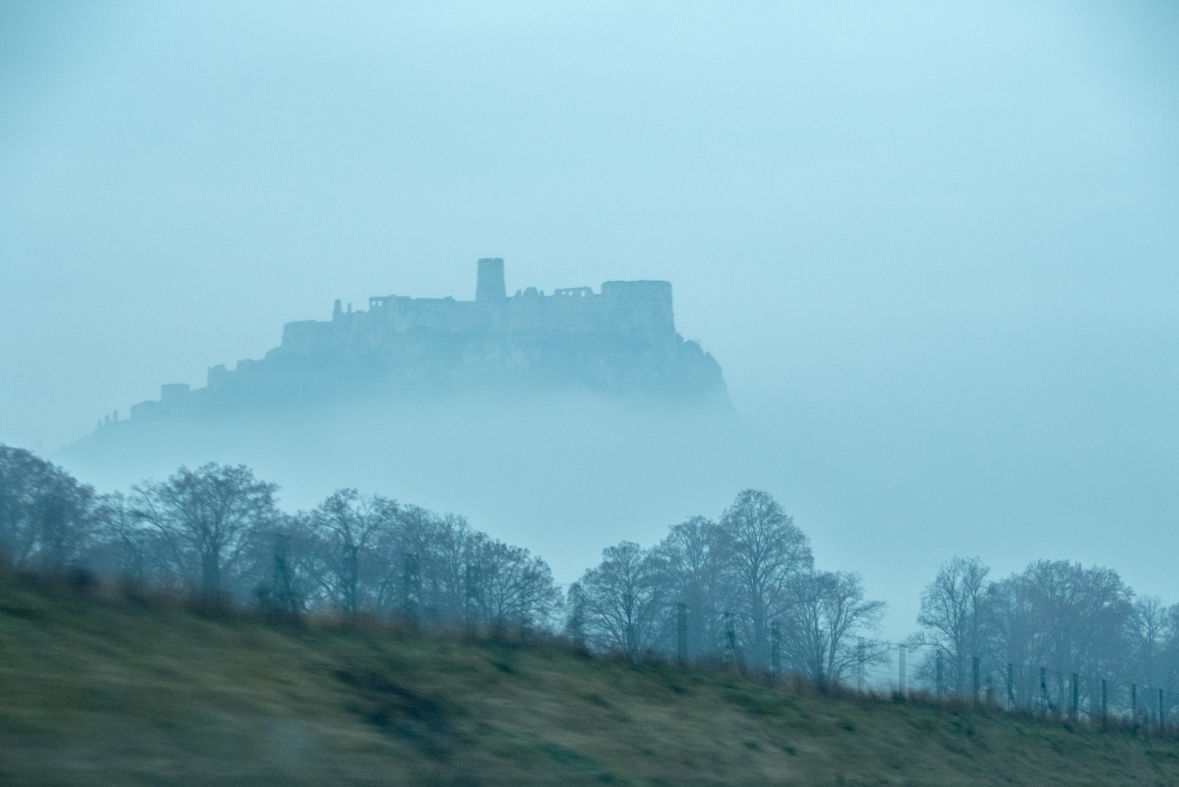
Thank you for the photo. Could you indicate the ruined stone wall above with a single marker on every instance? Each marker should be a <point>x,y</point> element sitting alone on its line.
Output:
<point>621,339</point>
<point>642,309</point>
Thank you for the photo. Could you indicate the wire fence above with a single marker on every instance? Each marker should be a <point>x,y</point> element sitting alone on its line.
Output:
<point>1029,689</point>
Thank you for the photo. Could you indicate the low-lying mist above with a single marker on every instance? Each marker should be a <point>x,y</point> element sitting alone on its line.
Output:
<point>563,475</point>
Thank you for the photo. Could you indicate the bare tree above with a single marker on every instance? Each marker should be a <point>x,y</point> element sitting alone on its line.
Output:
<point>406,551</point>
<point>1083,613</point>
<point>1064,618</point>
<point>764,550</point>
<point>207,516</point>
<point>1149,630</point>
<point>1168,663</point>
<point>827,611</point>
<point>510,585</point>
<point>695,569</point>
<point>1018,637</point>
<point>349,528</point>
<point>955,615</point>
<point>622,601</point>
<point>128,547</point>
<point>455,578</point>
<point>287,566</point>
<point>22,478</point>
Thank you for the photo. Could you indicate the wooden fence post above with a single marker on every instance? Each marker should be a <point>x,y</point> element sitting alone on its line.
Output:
<point>861,659</point>
<point>1162,714</point>
<point>681,650</point>
<point>775,649</point>
<point>1010,686</point>
<point>974,669</point>
<point>1104,703</point>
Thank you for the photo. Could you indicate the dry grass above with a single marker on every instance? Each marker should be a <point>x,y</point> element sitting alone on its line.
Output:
<point>113,692</point>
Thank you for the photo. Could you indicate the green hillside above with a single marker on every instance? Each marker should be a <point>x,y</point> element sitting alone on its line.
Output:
<point>107,691</point>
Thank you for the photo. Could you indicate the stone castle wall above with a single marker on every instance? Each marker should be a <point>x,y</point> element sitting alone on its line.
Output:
<point>621,339</point>
<point>640,309</point>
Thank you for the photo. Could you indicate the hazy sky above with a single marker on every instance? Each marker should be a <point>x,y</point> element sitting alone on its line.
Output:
<point>933,246</point>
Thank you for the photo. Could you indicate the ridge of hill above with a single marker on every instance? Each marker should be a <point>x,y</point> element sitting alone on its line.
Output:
<point>100,689</point>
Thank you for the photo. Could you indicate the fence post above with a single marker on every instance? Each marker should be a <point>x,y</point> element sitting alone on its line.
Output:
<point>1010,686</point>
<point>1104,703</point>
<point>939,672</point>
<point>1043,692</point>
<point>860,663</point>
<point>974,670</point>
<point>731,636</point>
<point>775,649</point>
<point>1162,714</point>
<point>681,621</point>
<point>1134,705</point>
<point>1075,698</point>
<point>901,659</point>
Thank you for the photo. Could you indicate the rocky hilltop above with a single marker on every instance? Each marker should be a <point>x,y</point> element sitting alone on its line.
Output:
<point>619,341</point>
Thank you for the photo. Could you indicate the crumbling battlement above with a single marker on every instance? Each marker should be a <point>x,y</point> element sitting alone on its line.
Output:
<point>640,309</point>
<point>620,339</point>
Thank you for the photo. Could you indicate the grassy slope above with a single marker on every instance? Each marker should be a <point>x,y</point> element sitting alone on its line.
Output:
<point>109,693</point>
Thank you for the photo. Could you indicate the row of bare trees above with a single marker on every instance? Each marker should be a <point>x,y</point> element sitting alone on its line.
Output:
<point>750,591</point>
<point>742,587</point>
<point>1054,615</point>
<point>217,533</point>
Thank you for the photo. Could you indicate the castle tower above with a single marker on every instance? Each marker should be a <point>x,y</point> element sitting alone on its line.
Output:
<point>489,286</point>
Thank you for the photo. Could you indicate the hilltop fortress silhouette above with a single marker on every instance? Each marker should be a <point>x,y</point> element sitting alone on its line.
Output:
<point>552,417</point>
<point>620,341</point>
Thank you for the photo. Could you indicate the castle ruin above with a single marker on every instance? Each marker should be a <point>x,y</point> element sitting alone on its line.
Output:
<point>619,341</point>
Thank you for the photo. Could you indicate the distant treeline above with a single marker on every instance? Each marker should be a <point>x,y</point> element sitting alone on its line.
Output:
<point>1051,635</point>
<point>741,589</point>
<point>215,533</point>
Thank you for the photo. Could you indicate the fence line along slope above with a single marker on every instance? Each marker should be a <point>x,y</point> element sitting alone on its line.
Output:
<point>97,689</point>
